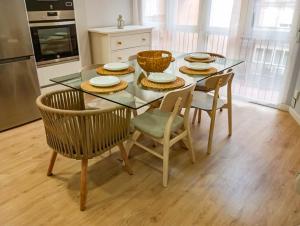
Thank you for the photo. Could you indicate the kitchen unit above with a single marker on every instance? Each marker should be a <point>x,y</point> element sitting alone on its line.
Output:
<point>53,31</point>
<point>54,37</point>
<point>18,76</point>
<point>110,44</point>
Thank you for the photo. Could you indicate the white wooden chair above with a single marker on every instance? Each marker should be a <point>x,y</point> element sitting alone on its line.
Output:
<point>200,86</point>
<point>162,123</point>
<point>211,102</point>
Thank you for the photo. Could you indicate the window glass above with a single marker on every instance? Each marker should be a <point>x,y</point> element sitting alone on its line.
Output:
<point>258,56</point>
<point>275,15</point>
<point>187,12</point>
<point>55,40</point>
<point>153,10</point>
<point>220,13</point>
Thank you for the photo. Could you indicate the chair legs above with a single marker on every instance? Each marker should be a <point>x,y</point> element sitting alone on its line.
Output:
<point>83,183</point>
<point>125,158</point>
<point>130,142</point>
<point>190,146</point>
<point>197,112</point>
<point>195,115</point>
<point>199,116</point>
<point>165,164</point>
<point>52,161</point>
<point>83,178</point>
<point>83,175</point>
<point>229,119</point>
<point>211,132</point>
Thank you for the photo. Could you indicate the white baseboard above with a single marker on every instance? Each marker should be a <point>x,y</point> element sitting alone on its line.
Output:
<point>295,115</point>
<point>284,107</point>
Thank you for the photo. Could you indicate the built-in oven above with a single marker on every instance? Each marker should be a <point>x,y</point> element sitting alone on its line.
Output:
<point>53,31</point>
<point>54,42</point>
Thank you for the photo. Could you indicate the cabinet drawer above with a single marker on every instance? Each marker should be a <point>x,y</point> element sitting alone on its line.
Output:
<point>128,41</point>
<point>123,55</point>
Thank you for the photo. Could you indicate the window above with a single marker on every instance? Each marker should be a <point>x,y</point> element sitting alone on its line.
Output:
<point>153,11</point>
<point>187,12</point>
<point>273,15</point>
<point>220,13</point>
<point>270,55</point>
<point>258,56</point>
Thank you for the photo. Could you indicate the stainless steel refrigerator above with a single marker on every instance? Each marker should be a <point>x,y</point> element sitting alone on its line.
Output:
<point>19,85</point>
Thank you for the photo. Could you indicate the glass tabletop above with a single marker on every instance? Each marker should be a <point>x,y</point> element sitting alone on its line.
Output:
<point>136,96</point>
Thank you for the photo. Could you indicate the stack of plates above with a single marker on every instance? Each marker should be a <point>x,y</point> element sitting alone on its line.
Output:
<point>199,66</point>
<point>104,81</point>
<point>161,77</point>
<point>116,66</point>
<point>200,56</point>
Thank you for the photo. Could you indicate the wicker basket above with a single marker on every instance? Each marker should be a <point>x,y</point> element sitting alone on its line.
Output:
<point>154,60</point>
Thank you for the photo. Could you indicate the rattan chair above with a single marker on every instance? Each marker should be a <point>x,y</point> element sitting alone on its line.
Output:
<point>82,134</point>
<point>211,103</point>
<point>166,125</point>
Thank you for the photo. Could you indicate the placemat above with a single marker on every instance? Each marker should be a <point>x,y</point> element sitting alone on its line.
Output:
<point>191,59</point>
<point>89,88</point>
<point>179,82</point>
<point>102,71</point>
<point>188,71</point>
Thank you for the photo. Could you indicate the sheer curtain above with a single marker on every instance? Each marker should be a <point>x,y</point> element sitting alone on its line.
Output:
<point>260,32</point>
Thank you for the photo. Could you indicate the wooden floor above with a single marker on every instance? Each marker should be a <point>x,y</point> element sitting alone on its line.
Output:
<point>248,180</point>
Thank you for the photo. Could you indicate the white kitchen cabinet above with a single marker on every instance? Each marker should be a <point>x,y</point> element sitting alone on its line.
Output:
<point>52,71</point>
<point>109,44</point>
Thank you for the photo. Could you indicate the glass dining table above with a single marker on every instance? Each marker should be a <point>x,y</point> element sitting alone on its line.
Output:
<point>136,96</point>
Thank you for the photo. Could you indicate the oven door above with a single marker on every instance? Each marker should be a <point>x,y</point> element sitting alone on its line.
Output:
<point>54,42</point>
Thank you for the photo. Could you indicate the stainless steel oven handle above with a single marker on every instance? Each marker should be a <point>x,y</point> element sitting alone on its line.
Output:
<point>47,24</point>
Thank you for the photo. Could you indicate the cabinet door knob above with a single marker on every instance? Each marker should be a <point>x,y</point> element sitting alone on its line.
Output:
<point>143,39</point>
<point>119,58</point>
<point>119,43</point>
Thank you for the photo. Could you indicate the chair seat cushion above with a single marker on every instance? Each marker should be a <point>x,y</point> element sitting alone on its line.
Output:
<point>204,101</point>
<point>200,86</point>
<point>154,122</point>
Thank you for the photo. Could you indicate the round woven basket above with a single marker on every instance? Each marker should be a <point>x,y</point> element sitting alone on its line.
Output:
<point>154,60</point>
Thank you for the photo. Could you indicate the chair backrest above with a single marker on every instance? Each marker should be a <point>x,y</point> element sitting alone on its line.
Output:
<point>133,57</point>
<point>78,133</point>
<point>64,100</point>
<point>170,99</point>
<point>215,55</point>
<point>86,71</point>
<point>219,80</point>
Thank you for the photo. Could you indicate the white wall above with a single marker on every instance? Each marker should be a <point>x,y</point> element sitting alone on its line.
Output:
<point>81,25</point>
<point>101,13</point>
<point>297,108</point>
<point>98,13</point>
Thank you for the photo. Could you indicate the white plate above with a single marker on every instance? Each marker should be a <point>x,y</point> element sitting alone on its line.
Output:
<point>199,66</point>
<point>200,56</point>
<point>116,66</point>
<point>161,77</point>
<point>104,81</point>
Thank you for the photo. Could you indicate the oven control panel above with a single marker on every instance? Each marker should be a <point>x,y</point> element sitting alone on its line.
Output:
<point>49,5</point>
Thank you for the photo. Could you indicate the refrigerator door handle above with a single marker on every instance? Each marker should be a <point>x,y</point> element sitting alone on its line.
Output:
<point>11,60</point>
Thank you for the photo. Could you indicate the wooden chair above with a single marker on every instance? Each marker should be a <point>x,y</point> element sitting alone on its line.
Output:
<point>162,124</point>
<point>93,102</point>
<point>200,86</point>
<point>210,103</point>
<point>82,134</point>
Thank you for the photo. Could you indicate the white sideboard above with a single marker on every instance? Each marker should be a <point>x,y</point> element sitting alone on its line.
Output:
<point>109,44</point>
